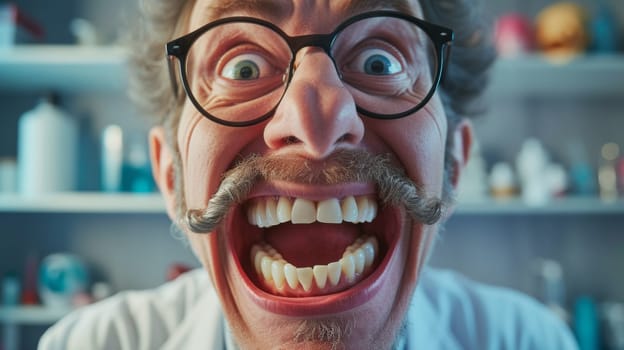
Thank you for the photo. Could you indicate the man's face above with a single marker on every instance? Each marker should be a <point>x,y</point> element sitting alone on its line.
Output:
<point>321,280</point>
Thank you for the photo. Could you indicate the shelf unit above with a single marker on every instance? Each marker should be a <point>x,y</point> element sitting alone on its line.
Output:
<point>31,315</point>
<point>558,206</point>
<point>587,75</point>
<point>68,69</point>
<point>83,202</point>
<point>12,318</point>
<point>125,203</point>
<point>73,68</point>
<point>65,68</point>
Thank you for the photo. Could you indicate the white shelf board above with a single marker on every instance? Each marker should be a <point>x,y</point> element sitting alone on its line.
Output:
<point>66,68</point>
<point>559,206</point>
<point>72,68</point>
<point>31,315</point>
<point>83,202</point>
<point>534,76</point>
<point>122,203</point>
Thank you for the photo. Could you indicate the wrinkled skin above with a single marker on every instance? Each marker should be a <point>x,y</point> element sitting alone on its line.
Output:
<point>316,117</point>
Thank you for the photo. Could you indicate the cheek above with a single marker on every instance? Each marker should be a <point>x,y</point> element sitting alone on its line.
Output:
<point>206,249</point>
<point>419,142</point>
<point>206,149</point>
<point>200,246</point>
<point>427,160</point>
<point>202,169</point>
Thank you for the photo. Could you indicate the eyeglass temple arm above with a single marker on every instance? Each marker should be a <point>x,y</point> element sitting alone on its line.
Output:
<point>172,74</point>
<point>446,59</point>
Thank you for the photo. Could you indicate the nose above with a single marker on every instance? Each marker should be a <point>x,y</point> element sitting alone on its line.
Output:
<point>317,114</point>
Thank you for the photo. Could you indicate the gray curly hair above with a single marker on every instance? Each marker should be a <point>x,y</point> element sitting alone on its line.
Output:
<point>163,20</point>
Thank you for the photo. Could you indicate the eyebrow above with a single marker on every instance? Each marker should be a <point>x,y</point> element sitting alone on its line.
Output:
<point>272,9</point>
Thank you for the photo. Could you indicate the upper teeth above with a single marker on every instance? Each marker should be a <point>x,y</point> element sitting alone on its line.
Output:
<point>271,211</point>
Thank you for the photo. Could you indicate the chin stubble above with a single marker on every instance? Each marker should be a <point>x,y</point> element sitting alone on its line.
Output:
<point>332,332</point>
<point>336,332</point>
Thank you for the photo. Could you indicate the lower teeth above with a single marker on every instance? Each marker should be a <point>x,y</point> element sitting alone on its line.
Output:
<point>284,277</point>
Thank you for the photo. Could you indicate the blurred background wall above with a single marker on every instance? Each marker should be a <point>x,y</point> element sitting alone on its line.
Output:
<point>532,213</point>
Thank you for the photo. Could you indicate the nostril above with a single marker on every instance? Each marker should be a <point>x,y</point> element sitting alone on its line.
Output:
<point>344,138</point>
<point>291,140</point>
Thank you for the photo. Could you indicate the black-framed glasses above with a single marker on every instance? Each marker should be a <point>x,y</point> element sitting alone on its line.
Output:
<point>236,70</point>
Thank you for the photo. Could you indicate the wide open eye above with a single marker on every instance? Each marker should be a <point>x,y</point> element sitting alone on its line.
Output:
<point>247,67</point>
<point>376,62</point>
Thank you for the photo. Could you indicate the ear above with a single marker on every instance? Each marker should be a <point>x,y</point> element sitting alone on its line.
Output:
<point>161,156</point>
<point>462,144</point>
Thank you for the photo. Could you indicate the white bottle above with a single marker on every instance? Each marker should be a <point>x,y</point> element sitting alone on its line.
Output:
<point>47,150</point>
<point>112,158</point>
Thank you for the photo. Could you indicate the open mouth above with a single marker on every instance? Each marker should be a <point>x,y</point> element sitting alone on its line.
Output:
<point>297,248</point>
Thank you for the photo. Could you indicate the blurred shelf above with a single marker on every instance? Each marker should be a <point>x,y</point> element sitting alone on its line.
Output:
<point>71,68</point>
<point>83,202</point>
<point>588,76</point>
<point>66,68</point>
<point>152,203</point>
<point>31,315</point>
<point>562,206</point>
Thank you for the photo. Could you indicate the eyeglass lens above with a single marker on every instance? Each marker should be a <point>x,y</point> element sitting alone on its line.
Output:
<point>238,71</point>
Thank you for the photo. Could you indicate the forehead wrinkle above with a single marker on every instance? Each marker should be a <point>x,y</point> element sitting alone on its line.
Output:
<point>269,9</point>
<point>275,9</point>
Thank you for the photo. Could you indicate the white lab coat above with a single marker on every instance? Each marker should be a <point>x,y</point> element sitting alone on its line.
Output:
<point>448,312</point>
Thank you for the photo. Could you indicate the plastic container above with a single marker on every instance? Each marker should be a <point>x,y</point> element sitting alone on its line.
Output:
<point>8,175</point>
<point>11,290</point>
<point>8,14</point>
<point>47,149</point>
<point>112,158</point>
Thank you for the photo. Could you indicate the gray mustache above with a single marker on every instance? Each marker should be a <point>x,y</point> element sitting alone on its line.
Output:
<point>394,187</point>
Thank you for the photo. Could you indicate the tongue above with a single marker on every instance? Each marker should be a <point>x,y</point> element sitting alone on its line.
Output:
<point>311,244</point>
